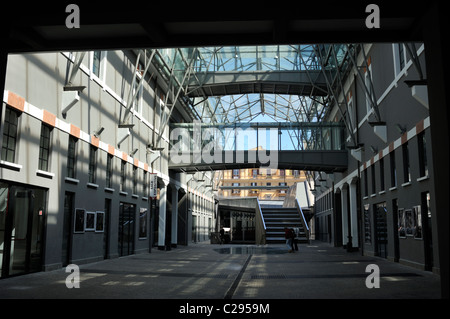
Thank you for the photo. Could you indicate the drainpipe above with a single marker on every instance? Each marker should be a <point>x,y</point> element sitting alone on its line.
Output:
<point>358,183</point>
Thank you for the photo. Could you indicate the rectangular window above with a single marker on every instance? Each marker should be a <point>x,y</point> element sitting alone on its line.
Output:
<point>92,164</point>
<point>372,170</point>
<point>135,179</point>
<point>144,185</point>
<point>369,91</point>
<point>423,162</point>
<point>44,148</point>
<point>399,57</point>
<point>96,59</point>
<point>138,100</point>
<point>393,169</point>
<point>71,157</point>
<point>381,161</point>
<point>10,135</point>
<point>406,164</point>
<point>109,170</point>
<point>122,175</point>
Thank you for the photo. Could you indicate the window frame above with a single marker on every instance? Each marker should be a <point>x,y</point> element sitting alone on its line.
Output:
<point>44,150</point>
<point>10,134</point>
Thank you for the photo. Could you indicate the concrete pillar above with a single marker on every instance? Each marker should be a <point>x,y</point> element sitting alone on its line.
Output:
<point>437,65</point>
<point>162,216</point>
<point>174,239</point>
<point>344,210</point>
<point>353,203</point>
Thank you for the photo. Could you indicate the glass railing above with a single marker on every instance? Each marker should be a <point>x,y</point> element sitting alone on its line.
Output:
<point>279,136</point>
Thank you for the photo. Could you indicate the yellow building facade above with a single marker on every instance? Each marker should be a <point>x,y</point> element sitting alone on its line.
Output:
<point>269,184</point>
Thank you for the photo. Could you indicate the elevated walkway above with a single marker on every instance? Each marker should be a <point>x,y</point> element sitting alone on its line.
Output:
<point>303,146</point>
<point>306,83</point>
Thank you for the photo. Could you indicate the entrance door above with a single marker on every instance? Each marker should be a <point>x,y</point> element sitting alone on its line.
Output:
<point>381,229</point>
<point>21,229</point>
<point>126,229</point>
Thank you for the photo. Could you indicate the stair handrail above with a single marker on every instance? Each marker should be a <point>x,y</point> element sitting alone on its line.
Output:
<point>303,220</point>
<point>262,240</point>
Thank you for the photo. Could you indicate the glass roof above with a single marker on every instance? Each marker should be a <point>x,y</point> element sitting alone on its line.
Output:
<point>184,65</point>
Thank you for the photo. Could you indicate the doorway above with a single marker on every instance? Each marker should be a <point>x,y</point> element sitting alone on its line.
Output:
<point>21,229</point>
<point>126,229</point>
<point>381,230</point>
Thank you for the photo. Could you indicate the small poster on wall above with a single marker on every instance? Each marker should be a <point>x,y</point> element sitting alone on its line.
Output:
<point>90,221</point>
<point>79,219</point>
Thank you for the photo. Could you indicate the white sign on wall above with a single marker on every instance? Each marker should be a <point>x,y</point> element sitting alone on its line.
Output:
<point>153,185</point>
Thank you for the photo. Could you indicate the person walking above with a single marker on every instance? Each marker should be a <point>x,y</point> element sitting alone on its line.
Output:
<point>289,236</point>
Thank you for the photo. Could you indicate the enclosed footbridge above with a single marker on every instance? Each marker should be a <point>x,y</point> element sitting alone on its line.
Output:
<point>303,146</point>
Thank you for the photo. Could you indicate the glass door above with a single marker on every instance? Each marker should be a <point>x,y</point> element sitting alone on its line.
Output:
<point>381,229</point>
<point>126,229</point>
<point>21,229</point>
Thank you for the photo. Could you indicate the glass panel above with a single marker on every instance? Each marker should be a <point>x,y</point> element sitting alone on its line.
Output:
<point>126,229</point>
<point>3,206</point>
<point>19,234</point>
<point>37,230</point>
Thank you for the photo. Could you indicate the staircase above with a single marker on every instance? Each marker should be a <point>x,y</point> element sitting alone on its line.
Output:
<point>278,218</point>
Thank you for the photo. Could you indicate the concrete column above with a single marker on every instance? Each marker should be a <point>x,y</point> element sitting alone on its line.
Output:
<point>174,239</point>
<point>344,210</point>
<point>354,215</point>
<point>162,216</point>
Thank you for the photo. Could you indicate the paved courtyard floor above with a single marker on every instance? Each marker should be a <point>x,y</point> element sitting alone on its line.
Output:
<point>232,272</point>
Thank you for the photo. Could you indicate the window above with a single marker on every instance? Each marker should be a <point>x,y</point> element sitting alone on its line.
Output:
<point>122,175</point>
<point>399,57</point>
<point>406,166</point>
<point>92,164</point>
<point>145,187</point>
<point>372,169</point>
<point>235,173</point>
<point>96,59</point>
<point>109,170</point>
<point>369,91</point>
<point>138,101</point>
<point>235,191</point>
<point>44,148</point>
<point>10,135</point>
<point>366,187</point>
<point>423,162</point>
<point>135,179</point>
<point>381,161</point>
<point>71,157</point>
<point>255,173</point>
<point>393,169</point>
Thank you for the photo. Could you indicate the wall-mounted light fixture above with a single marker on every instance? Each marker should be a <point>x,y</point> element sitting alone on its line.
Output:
<point>98,132</point>
<point>401,129</point>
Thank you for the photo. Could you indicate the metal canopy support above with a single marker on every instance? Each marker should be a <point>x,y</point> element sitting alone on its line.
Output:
<point>335,97</point>
<point>171,91</point>
<point>369,90</point>
<point>132,97</point>
<point>79,56</point>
